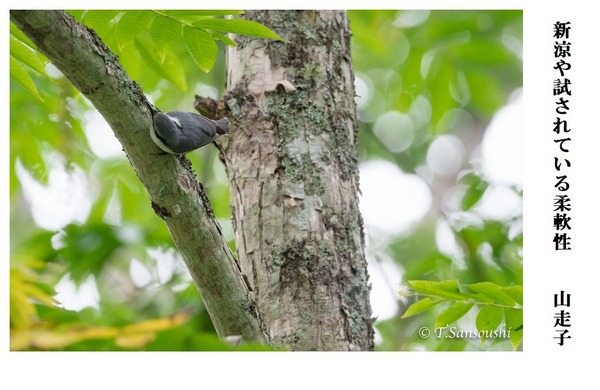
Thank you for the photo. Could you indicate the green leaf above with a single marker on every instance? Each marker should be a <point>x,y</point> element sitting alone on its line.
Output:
<point>171,69</point>
<point>202,47</point>
<point>26,55</point>
<point>452,314</point>
<point>494,292</point>
<point>420,306</point>
<point>224,38</point>
<point>99,17</point>
<point>19,75</point>
<point>444,289</point>
<point>193,15</point>
<point>514,324</point>
<point>238,26</point>
<point>132,23</point>
<point>488,319</point>
<point>15,32</point>
<point>77,14</point>
<point>515,292</point>
<point>165,34</point>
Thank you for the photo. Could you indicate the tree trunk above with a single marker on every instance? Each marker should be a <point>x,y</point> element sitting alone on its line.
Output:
<point>291,161</point>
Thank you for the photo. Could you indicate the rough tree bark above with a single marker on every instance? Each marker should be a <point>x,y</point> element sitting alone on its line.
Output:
<point>292,164</point>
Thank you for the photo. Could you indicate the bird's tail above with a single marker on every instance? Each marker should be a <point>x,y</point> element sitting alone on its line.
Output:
<point>222,125</point>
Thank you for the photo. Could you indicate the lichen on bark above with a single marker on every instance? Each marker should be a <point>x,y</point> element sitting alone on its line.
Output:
<point>292,163</point>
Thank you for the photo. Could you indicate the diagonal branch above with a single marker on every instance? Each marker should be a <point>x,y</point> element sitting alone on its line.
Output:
<point>176,196</point>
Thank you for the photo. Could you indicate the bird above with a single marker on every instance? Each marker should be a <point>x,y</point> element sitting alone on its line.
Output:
<point>180,132</point>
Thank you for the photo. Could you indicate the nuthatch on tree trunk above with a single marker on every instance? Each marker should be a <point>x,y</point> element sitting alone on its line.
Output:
<point>181,132</point>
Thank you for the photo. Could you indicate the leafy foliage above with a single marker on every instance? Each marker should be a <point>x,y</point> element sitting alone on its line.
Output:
<point>495,304</point>
<point>158,32</point>
<point>24,54</point>
<point>198,29</point>
<point>132,336</point>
